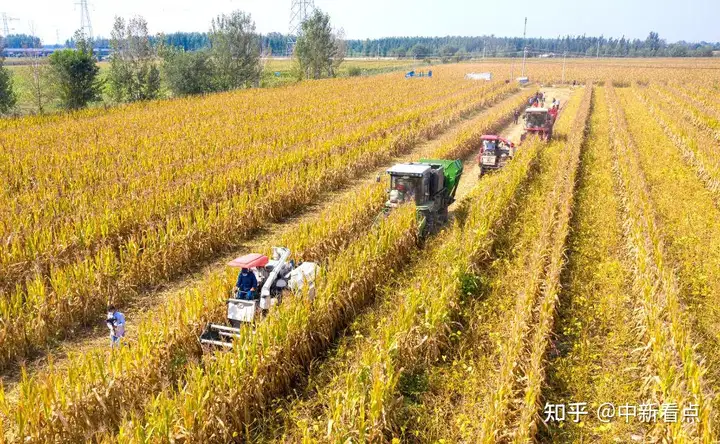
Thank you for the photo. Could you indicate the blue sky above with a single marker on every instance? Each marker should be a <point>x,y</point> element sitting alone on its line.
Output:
<point>691,20</point>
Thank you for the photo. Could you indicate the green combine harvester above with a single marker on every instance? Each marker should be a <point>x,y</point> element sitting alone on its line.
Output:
<point>431,183</point>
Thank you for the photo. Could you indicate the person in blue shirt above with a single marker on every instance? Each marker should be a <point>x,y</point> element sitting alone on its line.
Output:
<point>246,284</point>
<point>116,323</point>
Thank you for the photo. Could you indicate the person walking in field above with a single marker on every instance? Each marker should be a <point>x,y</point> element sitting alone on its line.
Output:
<point>516,115</point>
<point>116,323</point>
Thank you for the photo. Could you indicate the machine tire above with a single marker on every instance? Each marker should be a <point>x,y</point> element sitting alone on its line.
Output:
<point>443,216</point>
<point>429,224</point>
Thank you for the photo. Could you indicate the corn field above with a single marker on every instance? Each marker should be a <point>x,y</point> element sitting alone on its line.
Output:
<point>586,271</point>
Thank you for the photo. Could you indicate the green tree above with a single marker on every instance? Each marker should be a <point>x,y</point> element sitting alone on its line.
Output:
<point>677,51</point>
<point>76,75</point>
<point>133,74</point>
<point>448,50</point>
<point>319,50</point>
<point>400,52</point>
<point>235,48</point>
<point>653,42</point>
<point>419,51</point>
<point>187,73</point>
<point>7,95</point>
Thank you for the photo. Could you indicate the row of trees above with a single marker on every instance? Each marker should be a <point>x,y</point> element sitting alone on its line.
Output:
<point>21,41</point>
<point>139,63</point>
<point>73,74</point>
<point>492,46</point>
<point>233,58</point>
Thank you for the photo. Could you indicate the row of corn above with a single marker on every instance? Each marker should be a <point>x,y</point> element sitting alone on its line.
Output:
<point>363,402</point>
<point>596,340</point>
<point>674,372</point>
<point>78,219</point>
<point>534,372</point>
<point>73,295</point>
<point>698,148</point>
<point>512,406</point>
<point>689,229</point>
<point>98,385</point>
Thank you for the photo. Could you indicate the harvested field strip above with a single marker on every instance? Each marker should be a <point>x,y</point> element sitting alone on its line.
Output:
<point>593,358</point>
<point>511,410</point>
<point>526,426</point>
<point>689,230</point>
<point>78,293</point>
<point>674,371</point>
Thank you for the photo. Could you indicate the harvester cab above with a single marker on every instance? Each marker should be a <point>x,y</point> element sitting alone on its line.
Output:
<point>494,153</point>
<point>274,277</point>
<point>538,121</point>
<point>430,183</point>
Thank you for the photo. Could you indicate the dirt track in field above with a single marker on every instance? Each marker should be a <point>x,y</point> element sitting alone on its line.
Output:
<point>512,132</point>
<point>97,337</point>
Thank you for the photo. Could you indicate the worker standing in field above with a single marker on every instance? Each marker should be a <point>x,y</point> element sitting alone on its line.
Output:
<point>116,323</point>
<point>516,116</point>
<point>246,284</point>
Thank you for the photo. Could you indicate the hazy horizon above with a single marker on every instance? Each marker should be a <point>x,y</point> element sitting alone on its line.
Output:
<point>692,22</point>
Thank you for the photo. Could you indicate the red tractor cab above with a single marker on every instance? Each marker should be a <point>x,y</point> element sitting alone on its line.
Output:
<point>539,121</point>
<point>494,153</point>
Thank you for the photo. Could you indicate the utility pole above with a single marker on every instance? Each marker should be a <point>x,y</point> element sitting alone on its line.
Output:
<point>598,50</point>
<point>524,49</point>
<point>484,50</point>
<point>563,72</point>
